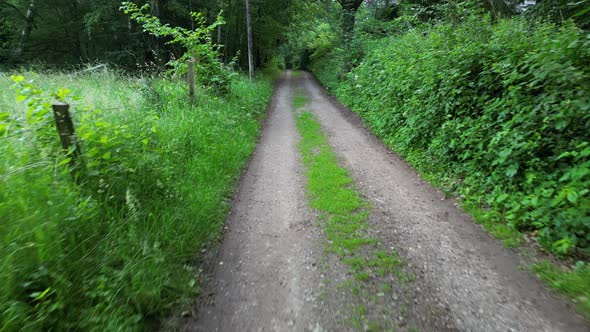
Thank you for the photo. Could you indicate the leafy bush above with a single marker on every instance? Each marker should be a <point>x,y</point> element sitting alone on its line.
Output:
<point>312,34</point>
<point>200,52</point>
<point>560,10</point>
<point>115,252</point>
<point>274,68</point>
<point>499,113</point>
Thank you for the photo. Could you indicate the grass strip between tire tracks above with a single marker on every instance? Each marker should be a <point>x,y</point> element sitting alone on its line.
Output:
<point>343,216</point>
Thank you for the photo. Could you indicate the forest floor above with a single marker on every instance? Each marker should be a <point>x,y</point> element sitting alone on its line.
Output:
<point>274,270</point>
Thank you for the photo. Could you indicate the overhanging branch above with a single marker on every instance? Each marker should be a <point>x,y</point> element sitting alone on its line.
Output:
<point>13,7</point>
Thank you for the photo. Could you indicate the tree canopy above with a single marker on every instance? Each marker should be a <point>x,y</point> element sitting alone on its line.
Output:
<point>60,32</point>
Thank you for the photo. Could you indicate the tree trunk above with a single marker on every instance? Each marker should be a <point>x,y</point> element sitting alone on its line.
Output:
<point>348,20</point>
<point>155,5</point>
<point>219,26</point>
<point>250,54</point>
<point>26,33</point>
<point>225,47</point>
<point>78,30</point>
<point>498,8</point>
<point>154,42</point>
<point>219,34</point>
<point>237,45</point>
<point>349,8</point>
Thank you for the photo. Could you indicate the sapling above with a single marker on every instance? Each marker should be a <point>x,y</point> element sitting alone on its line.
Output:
<point>196,42</point>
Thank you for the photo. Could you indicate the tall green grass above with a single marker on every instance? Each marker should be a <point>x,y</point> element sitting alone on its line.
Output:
<point>118,251</point>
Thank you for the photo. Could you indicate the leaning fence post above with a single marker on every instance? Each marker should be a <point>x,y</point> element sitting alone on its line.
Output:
<point>67,135</point>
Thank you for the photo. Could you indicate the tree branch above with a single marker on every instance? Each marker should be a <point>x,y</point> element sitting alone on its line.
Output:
<point>13,7</point>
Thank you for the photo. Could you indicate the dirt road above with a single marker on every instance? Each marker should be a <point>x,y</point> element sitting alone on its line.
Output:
<point>264,278</point>
<point>266,275</point>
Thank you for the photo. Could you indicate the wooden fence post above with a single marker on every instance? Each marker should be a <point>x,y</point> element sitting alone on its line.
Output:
<point>191,78</point>
<point>67,135</point>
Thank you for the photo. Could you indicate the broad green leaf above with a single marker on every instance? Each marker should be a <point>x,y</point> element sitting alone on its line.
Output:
<point>512,170</point>
<point>572,196</point>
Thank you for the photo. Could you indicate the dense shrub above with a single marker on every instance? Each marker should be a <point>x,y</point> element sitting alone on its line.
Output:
<point>116,252</point>
<point>498,112</point>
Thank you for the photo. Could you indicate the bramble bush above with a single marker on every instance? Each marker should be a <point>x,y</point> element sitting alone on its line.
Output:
<point>498,113</point>
<point>116,252</point>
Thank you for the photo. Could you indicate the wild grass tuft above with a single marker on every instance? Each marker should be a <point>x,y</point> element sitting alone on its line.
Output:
<point>574,283</point>
<point>300,99</point>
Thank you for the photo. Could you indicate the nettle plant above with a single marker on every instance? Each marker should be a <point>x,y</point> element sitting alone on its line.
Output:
<point>35,121</point>
<point>106,165</point>
<point>201,54</point>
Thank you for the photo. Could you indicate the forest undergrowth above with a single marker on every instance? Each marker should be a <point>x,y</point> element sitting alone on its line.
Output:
<point>495,113</point>
<point>118,251</point>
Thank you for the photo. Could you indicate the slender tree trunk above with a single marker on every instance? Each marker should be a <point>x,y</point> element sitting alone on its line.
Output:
<point>219,34</point>
<point>219,26</point>
<point>26,32</point>
<point>153,41</point>
<point>498,8</point>
<point>250,51</point>
<point>225,47</point>
<point>155,5</point>
<point>76,26</point>
<point>237,45</point>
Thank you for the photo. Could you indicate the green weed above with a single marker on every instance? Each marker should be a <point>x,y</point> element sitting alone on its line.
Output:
<point>574,283</point>
<point>300,99</point>
<point>386,288</point>
<point>492,222</point>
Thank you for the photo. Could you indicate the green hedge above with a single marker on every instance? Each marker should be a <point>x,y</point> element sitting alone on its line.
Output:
<point>498,113</point>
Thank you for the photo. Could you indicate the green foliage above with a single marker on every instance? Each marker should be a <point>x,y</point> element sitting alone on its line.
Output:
<point>117,251</point>
<point>196,42</point>
<point>6,30</point>
<point>370,27</point>
<point>562,10</point>
<point>445,11</point>
<point>498,113</point>
<point>274,68</point>
<point>313,33</point>
<point>66,34</point>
